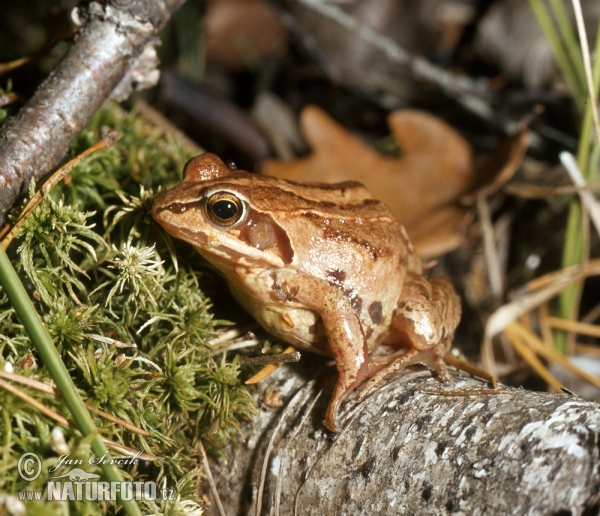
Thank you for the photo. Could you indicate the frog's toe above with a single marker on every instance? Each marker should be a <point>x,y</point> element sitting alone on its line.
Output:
<point>332,417</point>
<point>433,358</point>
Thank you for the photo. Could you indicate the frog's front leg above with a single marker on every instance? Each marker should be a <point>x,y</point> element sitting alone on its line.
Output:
<point>423,326</point>
<point>343,329</point>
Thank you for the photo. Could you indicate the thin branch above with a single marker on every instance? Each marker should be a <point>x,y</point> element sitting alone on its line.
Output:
<point>115,37</point>
<point>281,358</point>
<point>463,89</point>
<point>272,367</point>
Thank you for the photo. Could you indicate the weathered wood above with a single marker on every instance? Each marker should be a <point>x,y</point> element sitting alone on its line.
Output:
<point>115,38</point>
<point>407,451</point>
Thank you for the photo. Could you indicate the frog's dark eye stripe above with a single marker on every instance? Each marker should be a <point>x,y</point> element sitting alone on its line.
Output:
<point>225,209</point>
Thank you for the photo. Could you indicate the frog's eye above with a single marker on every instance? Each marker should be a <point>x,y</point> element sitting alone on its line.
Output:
<point>225,209</point>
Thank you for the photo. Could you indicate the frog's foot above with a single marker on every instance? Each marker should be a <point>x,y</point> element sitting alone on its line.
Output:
<point>340,393</point>
<point>433,358</point>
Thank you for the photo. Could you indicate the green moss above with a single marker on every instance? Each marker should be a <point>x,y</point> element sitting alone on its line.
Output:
<point>130,321</point>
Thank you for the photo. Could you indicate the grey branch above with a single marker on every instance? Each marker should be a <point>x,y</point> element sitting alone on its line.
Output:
<point>115,41</point>
<point>407,449</point>
<point>470,93</point>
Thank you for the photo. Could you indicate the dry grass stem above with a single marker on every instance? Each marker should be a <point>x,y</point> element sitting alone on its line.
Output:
<point>49,389</point>
<point>14,65</point>
<point>490,250</point>
<point>592,315</point>
<point>157,119</point>
<point>112,342</point>
<point>211,480</point>
<point>53,180</point>
<point>537,292</point>
<point>593,330</point>
<point>587,198</point>
<point>536,345</point>
<point>64,422</point>
<point>587,64</point>
<point>241,344</point>
<point>530,357</point>
<point>61,420</point>
<point>587,349</point>
<point>545,329</point>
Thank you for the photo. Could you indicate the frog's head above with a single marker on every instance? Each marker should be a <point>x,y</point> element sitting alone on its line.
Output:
<point>212,210</point>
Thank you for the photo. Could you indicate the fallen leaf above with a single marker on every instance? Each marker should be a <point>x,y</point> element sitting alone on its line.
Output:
<point>425,186</point>
<point>238,33</point>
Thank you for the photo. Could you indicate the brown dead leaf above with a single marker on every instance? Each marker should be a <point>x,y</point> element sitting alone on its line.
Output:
<point>424,185</point>
<point>240,32</point>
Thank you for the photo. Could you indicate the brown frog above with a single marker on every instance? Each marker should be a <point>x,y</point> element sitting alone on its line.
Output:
<point>324,267</point>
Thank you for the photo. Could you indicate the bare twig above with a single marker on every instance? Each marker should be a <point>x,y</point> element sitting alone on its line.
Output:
<point>533,191</point>
<point>281,358</point>
<point>272,367</point>
<point>112,38</point>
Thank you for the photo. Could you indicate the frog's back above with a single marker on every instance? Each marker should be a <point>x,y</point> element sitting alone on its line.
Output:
<point>351,241</point>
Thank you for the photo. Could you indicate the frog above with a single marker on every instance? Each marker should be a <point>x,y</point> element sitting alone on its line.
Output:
<point>324,267</point>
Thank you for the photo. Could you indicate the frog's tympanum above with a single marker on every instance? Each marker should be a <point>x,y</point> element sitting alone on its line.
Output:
<point>324,267</point>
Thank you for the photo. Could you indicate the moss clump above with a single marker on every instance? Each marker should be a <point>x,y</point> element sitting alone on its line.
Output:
<point>130,322</point>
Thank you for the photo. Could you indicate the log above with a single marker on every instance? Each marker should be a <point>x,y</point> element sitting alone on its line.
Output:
<point>409,449</point>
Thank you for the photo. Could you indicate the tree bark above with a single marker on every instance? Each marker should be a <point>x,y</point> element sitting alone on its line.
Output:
<point>115,41</point>
<point>407,451</point>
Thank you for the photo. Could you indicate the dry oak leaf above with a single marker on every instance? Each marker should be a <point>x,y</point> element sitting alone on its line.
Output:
<point>430,186</point>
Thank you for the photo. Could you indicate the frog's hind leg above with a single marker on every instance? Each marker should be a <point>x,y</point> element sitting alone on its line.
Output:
<point>423,326</point>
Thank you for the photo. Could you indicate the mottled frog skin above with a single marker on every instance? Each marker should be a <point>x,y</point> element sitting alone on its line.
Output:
<point>324,267</point>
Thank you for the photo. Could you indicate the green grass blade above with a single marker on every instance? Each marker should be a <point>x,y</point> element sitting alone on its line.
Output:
<point>571,46</point>
<point>575,237</point>
<point>39,336</point>
<point>561,55</point>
